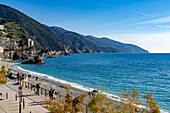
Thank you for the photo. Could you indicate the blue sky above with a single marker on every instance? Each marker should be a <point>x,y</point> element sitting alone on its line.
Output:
<point>142,22</point>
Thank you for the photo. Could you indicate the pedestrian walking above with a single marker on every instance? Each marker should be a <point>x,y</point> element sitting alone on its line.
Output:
<point>51,93</point>
<point>18,77</point>
<point>54,94</point>
<point>37,87</point>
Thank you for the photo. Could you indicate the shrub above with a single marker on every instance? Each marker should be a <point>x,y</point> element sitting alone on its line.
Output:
<point>3,79</point>
<point>66,104</point>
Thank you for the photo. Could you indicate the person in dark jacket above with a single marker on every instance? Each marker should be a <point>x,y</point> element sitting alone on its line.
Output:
<point>51,93</point>
<point>37,87</point>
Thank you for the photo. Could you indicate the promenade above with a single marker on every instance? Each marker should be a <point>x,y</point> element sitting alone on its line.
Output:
<point>9,104</point>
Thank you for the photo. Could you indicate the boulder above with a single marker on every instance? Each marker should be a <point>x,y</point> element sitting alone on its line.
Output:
<point>53,56</point>
<point>66,54</point>
<point>36,60</point>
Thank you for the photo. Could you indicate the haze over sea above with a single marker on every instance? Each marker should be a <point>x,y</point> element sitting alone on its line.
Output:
<point>114,72</point>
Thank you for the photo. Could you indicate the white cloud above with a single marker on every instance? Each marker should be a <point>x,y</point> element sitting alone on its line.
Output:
<point>163,26</point>
<point>156,21</point>
<point>154,43</point>
<point>106,5</point>
<point>141,13</point>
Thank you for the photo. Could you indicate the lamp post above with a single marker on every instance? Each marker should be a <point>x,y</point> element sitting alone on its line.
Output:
<point>20,93</point>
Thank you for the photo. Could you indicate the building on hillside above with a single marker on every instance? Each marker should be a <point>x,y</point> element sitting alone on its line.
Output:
<point>30,43</point>
<point>2,27</point>
<point>1,50</point>
<point>2,33</point>
<point>1,53</point>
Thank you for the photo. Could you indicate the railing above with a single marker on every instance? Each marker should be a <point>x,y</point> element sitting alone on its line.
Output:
<point>45,92</point>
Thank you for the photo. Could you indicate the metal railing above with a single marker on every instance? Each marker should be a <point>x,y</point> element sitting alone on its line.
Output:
<point>45,92</point>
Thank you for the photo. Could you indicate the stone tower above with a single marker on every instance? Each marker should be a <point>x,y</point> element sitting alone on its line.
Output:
<point>30,43</point>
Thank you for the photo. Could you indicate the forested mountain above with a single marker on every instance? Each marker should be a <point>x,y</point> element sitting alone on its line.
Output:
<point>57,38</point>
<point>115,45</point>
<point>42,36</point>
<point>75,42</point>
<point>80,43</point>
<point>105,45</point>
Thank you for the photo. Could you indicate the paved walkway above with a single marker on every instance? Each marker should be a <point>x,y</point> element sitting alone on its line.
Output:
<point>33,103</point>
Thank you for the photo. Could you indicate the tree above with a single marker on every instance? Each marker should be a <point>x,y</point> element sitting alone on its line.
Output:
<point>1,34</point>
<point>66,104</point>
<point>11,35</point>
<point>3,79</point>
<point>101,104</point>
<point>5,30</point>
<point>21,43</point>
<point>130,101</point>
<point>150,103</point>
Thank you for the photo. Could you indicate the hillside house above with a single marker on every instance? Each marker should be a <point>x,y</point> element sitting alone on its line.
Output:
<point>2,33</point>
<point>1,53</point>
<point>2,27</point>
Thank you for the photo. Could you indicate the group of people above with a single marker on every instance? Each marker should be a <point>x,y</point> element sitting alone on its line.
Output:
<point>52,94</point>
<point>93,93</point>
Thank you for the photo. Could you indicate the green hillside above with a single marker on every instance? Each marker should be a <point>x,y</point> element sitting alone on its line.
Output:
<point>122,47</point>
<point>56,38</point>
<point>14,30</point>
<point>79,42</point>
<point>42,36</point>
<point>105,45</point>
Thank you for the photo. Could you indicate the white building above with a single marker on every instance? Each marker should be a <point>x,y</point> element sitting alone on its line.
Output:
<point>2,27</point>
<point>1,52</point>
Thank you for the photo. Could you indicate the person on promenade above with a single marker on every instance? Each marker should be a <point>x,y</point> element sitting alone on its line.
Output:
<point>18,77</point>
<point>10,74</point>
<point>68,98</point>
<point>37,87</point>
<point>51,93</point>
<point>95,92</point>
<point>90,94</point>
<point>54,94</point>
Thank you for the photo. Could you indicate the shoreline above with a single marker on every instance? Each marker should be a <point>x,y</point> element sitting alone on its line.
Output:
<point>48,81</point>
<point>52,81</point>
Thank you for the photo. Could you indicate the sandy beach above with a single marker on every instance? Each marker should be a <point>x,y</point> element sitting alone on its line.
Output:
<point>47,84</point>
<point>5,63</point>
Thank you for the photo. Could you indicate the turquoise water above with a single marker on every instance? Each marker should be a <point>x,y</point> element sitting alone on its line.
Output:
<point>114,72</point>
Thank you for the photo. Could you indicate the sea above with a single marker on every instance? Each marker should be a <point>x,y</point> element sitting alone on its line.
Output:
<point>113,72</point>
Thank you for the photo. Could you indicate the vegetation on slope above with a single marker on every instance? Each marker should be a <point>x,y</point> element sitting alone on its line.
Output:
<point>75,41</point>
<point>121,47</point>
<point>55,38</point>
<point>42,36</point>
<point>78,42</point>
<point>3,78</point>
<point>14,30</point>
<point>105,45</point>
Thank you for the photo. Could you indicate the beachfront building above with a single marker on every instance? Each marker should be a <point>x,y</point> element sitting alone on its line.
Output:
<point>2,27</point>
<point>1,53</point>
<point>30,43</point>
